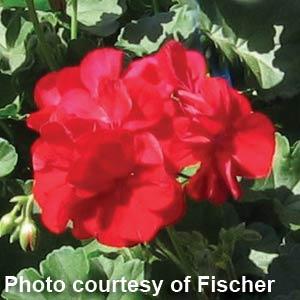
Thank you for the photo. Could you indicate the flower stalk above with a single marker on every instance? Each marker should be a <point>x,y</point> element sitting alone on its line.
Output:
<point>74,20</point>
<point>46,51</point>
<point>155,6</point>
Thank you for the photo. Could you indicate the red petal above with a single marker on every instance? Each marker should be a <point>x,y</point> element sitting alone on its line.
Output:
<point>148,107</point>
<point>37,119</point>
<point>226,103</point>
<point>104,158</point>
<point>192,132</point>
<point>228,174</point>
<point>69,79</point>
<point>56,134</point>
<point>180,154</point>
<point>181,67</point>
<point>148,150</point>
<point>195,104</point>
<point>98,65</point>
<point>196,64</point>
<point>78,103</point>
<point>152,208</point>
<point>86,218</point>
<point>54,196</point>
<point>254,145</point>
<point>173,63</point>
<point>115,100</point>
<point>146,69</point>
<point>207,184</point>
<point>46,92</point>
<point>88,176</point>
<point>148,208</point>
<point>130,216</point>
<point>54,149</point>
<point>45,156</point>
<point>146,72</point>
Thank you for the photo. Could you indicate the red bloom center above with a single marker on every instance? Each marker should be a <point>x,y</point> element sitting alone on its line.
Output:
<point>106,159</point>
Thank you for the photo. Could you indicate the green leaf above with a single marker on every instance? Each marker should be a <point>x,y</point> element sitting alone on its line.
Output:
<point>13,30</point>
<point>269,241</point>
<point>99,17</point>
<point>28,274</point>
<point>187,172</point>
<point>211,259</point>
<point>11,111</point>
<point>7,94</point>
<point>243,263</point>
<point>214,25</point>
<point>292,296</point>
<point>294,227</point>
<point>209,219</point>
<point>118,268</point>
<point>39,4</point>
<point>258,22</point>
<point>64,264</point>
<point>13,46</point>
<point>135,296</point>
<point>262,259</point>
<point>8,158</point>
<point>286,168</point>
<point>142,252</point>
<point>288,210</point>
<point>197,252</point>
<point>147,34</point>
<point>94,248</point>
<point>229,238</point>
<point>283,185</point>
<point>285,270</point>
<point>70,265</point>
<point>78,48</point>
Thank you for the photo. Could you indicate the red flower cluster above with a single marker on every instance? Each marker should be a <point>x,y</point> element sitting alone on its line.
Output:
<point>112,141</point>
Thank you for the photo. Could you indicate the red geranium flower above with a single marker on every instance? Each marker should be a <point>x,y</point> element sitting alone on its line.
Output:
<point>215,125</point>
<point>94,163</point>
<point>218,129</point>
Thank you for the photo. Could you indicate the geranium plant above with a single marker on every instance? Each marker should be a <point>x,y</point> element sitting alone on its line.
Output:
<point>150,141</point>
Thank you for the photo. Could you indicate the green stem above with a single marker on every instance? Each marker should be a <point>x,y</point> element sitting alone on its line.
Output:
<point>170,255</point>
<point>16,209</point>
<point>29,207</point>
<point>155,6</point>
<point>74,21</point>
<point>182,258</point>
<point>40,34</point>
<point>173,237</point>
<point>231,271</point>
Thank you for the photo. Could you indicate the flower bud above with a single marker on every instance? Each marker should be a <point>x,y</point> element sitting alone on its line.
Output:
<point>15,235</point>
<point>7,224</point>
<point>19,220</point>
<point>28,235</point>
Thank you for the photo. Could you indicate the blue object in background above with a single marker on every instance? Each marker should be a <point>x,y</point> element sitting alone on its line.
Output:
<point>218,71</point>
